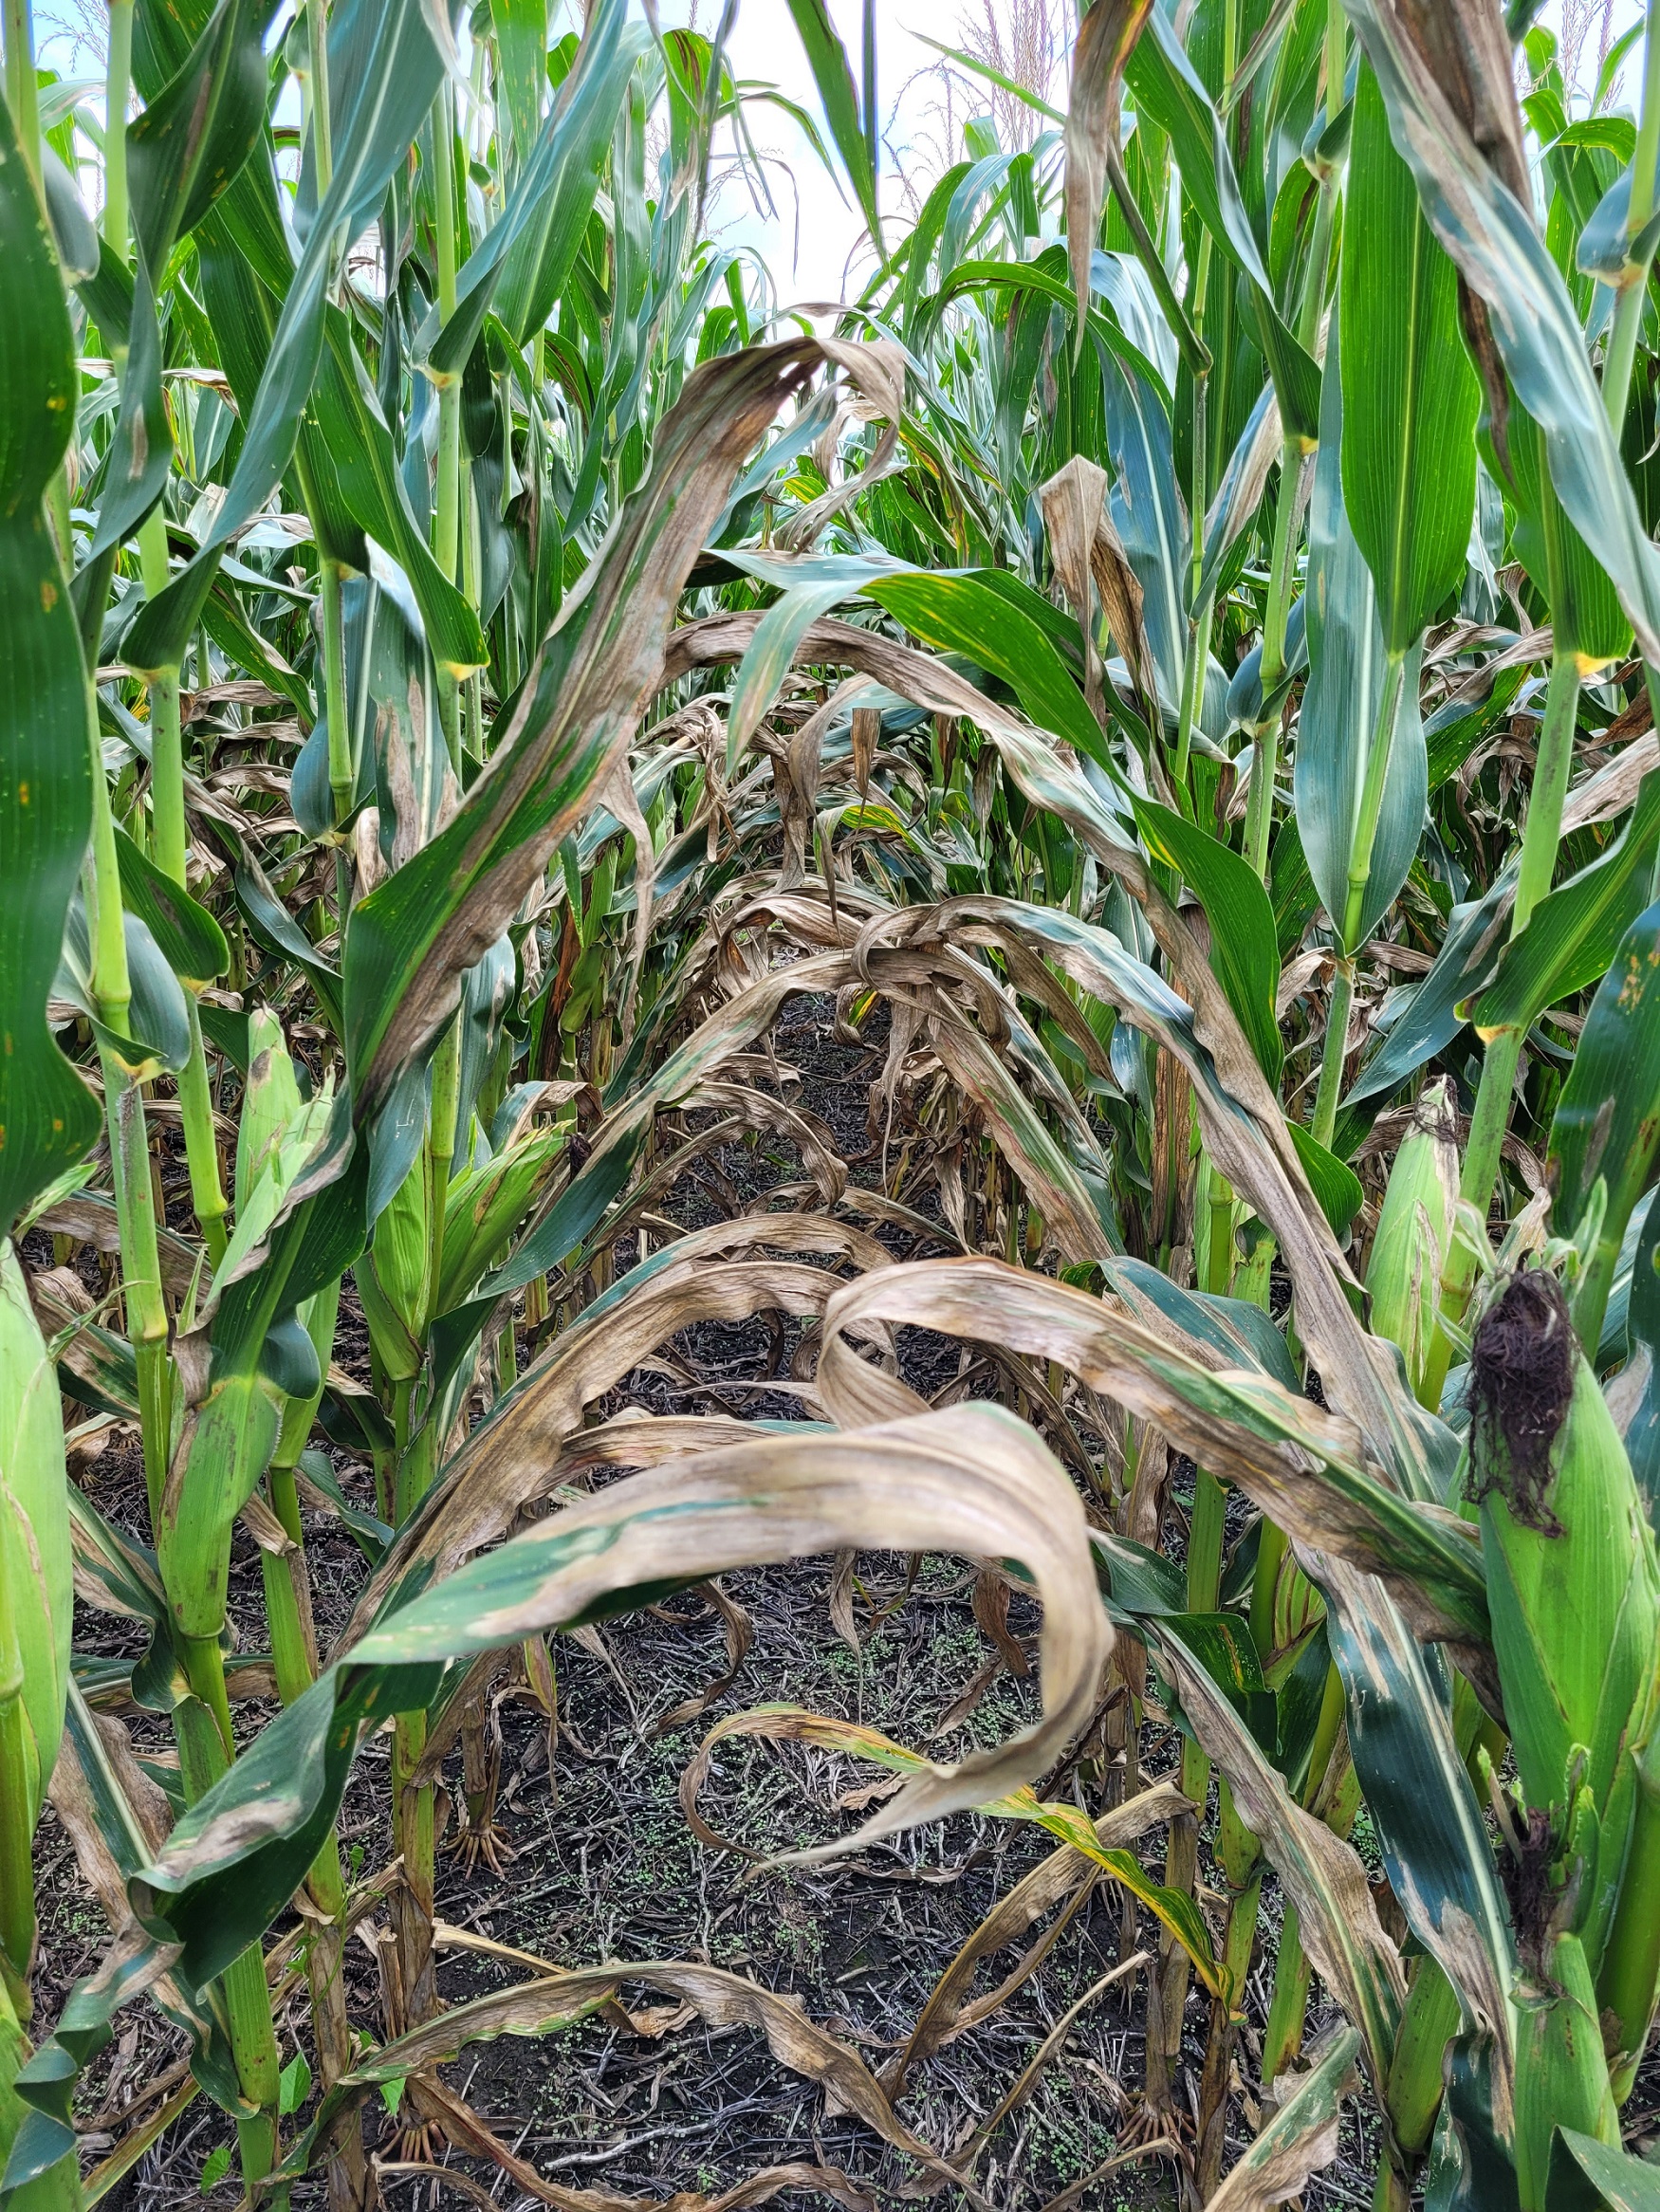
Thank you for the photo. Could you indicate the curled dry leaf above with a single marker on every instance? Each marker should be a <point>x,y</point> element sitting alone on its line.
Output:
<point>505,1464</point>
<point>559,1995</point>
<point>1304,1466</point>
<point>1302,2138</point>
<point>974,1480</point>
<point>1241,1117</point>
<point>1065,1879</point>
<point>1322,1875</point>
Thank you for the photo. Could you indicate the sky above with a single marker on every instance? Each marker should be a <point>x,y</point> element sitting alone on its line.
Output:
<point>811,233</point>
<point>808,244</point>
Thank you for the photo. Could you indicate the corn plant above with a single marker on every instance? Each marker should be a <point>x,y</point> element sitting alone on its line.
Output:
<point>1178,650</point>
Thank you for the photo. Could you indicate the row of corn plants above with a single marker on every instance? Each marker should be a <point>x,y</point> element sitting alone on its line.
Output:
<point>1181,647</point>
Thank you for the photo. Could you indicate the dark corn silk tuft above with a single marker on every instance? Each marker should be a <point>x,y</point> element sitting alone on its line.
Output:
<point>1522,1385</point>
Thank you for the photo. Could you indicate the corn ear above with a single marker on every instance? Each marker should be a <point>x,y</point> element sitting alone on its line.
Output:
<point>34,1530</point>
<point>1631,1967</point>
<point>270,1100</point>
<point>1572,1583</point>
<point>393,1283</point>
<point>36,1599</point>
<point>1403,1275</point>
<point>1429,2019</point>
<point>1562,2076</point>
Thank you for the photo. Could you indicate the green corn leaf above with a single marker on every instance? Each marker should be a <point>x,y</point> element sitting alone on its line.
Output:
<point>1243,950</point>
<point>384,70</point>
<point>158,1020</point>
<point>272,925</point>
<point>853,135</point>
<point>1240,1333</point>
<point>1586,616</point>
<point>188,145</point>
<point>35,1552</point>
<point>270,1103</point>
<point>1429,1821</point>
<point>1238,499</point>
<point>359,444</point>
<point>1168,91</point>
<point>1332,1180</point>
<point>1489,233</point>
<point>1409,395</point>
<point>531,249</point>
<point>186,934</point>
<point>1573,932</point>
<point>118,1574</point>
<point>1341,736</point>
<point>484,1208</point>
<point>968,615</point>
<point>521,34</point>
<point>410,941</point>
<point>1136,1581</point>
<point>47,1116</point>
<point>301,1226</point>
<point>1606,1130</point>
<point>1173,1909</point>
<point>1589,2175</point>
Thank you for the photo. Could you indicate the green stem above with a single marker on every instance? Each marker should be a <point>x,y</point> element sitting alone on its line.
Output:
<point>206,1750</point>
<point>440,1155</point>
<point>1633,288</point>
<point>1265,731</point>
<point>1372,790</point>
<point>140,1269</point>
<point>1337,49</point>
<point>112,990</point>
<point>117,85</point>
<point>1287,2008</point>
<point>293,1650</point>
<point>1221,1255</point>
<point>167,826</point>
<point>341,774</point>
<point>1204,1533</point>
<point>1485,1148</point>
<point>1336,58</point>
<point>1192,690</point>
<point>1333,1054</point>
<point>22,94</point>
<point>1265,1582</point>
<point>447,519</point>
<point>170,840</point>
<point>320,121</point>
<point>17,1914</point>
<point>128,1143</point>
<point>167,823</point>
<point>201,1148</point>
<point>1631,1963</point>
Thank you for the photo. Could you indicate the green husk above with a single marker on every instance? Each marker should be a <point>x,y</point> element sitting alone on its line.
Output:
<point>1414,1228</point>
<point>34,1524</point>
<point>1562,2076</point>
<point>1572,1582</point>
